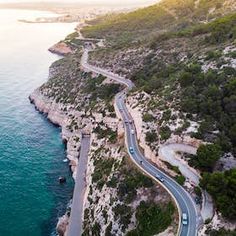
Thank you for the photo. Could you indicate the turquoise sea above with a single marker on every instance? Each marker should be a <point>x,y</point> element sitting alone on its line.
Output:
<point>31,150</point>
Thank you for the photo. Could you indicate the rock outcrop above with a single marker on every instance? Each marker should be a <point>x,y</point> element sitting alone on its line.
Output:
<point>57,116</point>
<point>61,48</point>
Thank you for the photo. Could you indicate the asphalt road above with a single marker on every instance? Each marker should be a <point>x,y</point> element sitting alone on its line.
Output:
<point>76,219</point>
<point>183,199</point>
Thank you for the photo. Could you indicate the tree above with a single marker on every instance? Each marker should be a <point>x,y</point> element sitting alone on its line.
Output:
<point>232,134</point>
<point>152,218</point>
<point>151,137</point>
<point>207,156</point>
<point>165,132</point>
<point>186,79</point>
<point>96,228</point>
<point>222,187</point>
<point>221,232</point>
<point>230,104</point>
<point>194,68</point>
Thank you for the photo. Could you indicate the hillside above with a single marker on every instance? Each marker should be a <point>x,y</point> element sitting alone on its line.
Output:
<point>195,64</point>
<point>119,199</point>
<point>181,57</point>
<point>146,23</point>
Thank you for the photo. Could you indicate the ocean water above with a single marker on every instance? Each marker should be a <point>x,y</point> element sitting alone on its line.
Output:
<point>31,150</point>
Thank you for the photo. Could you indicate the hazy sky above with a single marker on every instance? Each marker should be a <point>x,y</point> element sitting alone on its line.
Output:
<point>88,1</point>
<point>120,2</point>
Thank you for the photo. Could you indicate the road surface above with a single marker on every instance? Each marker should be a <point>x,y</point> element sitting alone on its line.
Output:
<point>183,199</point>
<point>76,220</point>
<point>168,153</point>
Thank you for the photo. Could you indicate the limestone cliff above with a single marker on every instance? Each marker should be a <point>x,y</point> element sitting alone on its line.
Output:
<point>116,189</point>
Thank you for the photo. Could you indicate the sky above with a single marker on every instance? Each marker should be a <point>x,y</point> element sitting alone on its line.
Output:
<point>125,2</point>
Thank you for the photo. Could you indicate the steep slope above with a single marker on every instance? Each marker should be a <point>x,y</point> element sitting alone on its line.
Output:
<point>117,193</point>
<point>181,56</point>
<point>168,15</point>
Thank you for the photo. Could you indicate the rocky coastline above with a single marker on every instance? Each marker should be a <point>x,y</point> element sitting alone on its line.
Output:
<point>63,115</point>
<point>72,118</point>
<point>55,115</point>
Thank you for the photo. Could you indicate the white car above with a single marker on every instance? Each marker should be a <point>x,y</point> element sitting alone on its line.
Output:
<point>132,131</point>
<point>184,219</point>
<point>159,177</point>
<point>131,150</point>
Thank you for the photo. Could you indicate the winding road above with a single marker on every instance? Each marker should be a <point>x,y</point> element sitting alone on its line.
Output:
<point>182,198</point>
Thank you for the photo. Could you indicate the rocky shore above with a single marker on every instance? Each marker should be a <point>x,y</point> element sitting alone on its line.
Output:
<point>54,113</point>
<point>60,101</point>
<point>61,49</point>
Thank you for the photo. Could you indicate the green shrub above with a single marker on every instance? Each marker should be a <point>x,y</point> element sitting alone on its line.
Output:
<point>166,115</point>
<point>221,232</point>
<point>102,170</point>
<point>108,230</point>
<point>165,132</point>
<point>174,168</point>
<point>113,182</point>
<point>213,55</point>
<point>151,137</point>
<point>207,156</point>
<point>123,213</point>
<point>106,133</point>
<point>96,228</point>
<point>152,219</point>
<point>198,191</point>
<point>222,188</point>
<point>180,179</point>
<point>148,117</point>
<point>131,182</point>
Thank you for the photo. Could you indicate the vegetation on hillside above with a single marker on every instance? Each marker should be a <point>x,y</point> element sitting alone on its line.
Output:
<point>206,96</point>
<point>152,219</point>
<point>181,79</point>
<point>124,180</point>
<point>97,89</point>
<point>222,187</point>
<point>65,80</point>
<point>144,24</point>
<point>133,180</point>
<point>216,31</point>
<point>212,96</point>
<point>206,158</point>
<point>221,232</point>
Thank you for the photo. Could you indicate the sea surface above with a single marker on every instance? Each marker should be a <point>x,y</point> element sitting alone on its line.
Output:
<point>31,150</point>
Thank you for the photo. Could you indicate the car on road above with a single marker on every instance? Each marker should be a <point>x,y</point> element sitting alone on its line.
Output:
<point>159,177</point>
<point>132,131</point>
<point>184,219</point>
<point>130,121</point>
<point>198,200</point>
<point>131,150</point>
